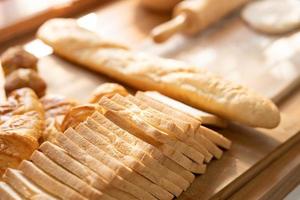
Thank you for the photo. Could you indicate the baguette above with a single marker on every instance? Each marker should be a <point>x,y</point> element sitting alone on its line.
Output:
<point>8,193</point>
<point>166,127</point>
<point>130,160</point>
<point>60,157</point>
<point>48,183</point>
<point>21,184</point>
<point>204,117</point>
<point>56,171</point>
<point>88,142</point>
<point>176,79</point>
<point>101,169</point>
<point>180,129</point>
<point>148,148</point>
<point>149,134</point>
<point>131,150</point>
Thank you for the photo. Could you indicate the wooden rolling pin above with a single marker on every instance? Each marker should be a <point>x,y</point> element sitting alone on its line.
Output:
<point>192,16</point>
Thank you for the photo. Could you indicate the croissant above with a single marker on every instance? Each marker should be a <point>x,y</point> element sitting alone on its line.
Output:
<point>22,123</point>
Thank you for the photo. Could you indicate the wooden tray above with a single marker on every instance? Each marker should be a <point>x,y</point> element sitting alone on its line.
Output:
<point>267,64</point>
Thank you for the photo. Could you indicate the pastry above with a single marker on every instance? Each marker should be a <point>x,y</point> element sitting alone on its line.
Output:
<point>173,78</point>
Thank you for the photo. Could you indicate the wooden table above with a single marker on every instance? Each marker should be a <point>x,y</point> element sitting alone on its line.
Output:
<point>231,49</point>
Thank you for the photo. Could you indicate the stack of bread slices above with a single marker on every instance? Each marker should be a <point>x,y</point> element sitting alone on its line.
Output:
<point>131,147</point>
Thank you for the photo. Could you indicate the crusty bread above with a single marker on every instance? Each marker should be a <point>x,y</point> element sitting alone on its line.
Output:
<point>60,157</point>
<point>131,161</point>
<point>134,151</point>
<point>143,100</point>
<point>107,90</point>
<point>179,80</point>
<point>87,141</point>
<point>48,183</point>
<point>204,117</point>
<point>56,171</point>
<point>199,131</point>
<point>8,193</point>
<point>21,184</point>
<point>136,126</point>
<point>148,148</point>
<point>165,123</point>
<point>101,169</point>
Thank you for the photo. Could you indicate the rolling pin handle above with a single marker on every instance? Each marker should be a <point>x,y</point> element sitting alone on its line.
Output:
<point>164,31</point>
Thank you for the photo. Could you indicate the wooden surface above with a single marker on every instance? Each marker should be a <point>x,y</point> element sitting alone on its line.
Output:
<point>266,64</point>
<point>277,180</point>
<point>18,17</point>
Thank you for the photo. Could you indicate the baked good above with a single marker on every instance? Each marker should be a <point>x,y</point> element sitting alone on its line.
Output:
<point>176,79</point>
<point>21,126</point>
<point>15,58</point>
<point>22,78</point>
<point>108,90</point>
<point>273,17</point>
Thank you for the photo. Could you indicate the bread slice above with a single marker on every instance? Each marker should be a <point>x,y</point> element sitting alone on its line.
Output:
<point>213,136</point>
<point>171,147</point>
<point>164,124</point>
<point>120,169</point>
<point>187,83</point>
<point>81,142</point>
<point>21,184</point>
<point>204,117</point>
<point>8,193</point>
<point>203,145</point>
<point>128,159</point>
<point>60,157</point>
<point>167,109</point>
<point>137,153</point>
<point>147,148</point>
<point>101,169</point>
<point>56,171</point>
<point>48,183</point>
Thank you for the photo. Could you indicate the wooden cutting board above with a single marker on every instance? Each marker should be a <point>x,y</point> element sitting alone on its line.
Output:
<point>268,64</point>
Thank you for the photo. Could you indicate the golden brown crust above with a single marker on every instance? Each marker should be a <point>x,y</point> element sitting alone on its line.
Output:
<point>21,126</point>
<point>77,115</point>
<point>15,58</point>
<point>107,90</point>
<point>178,80</point>
<point>57,106</point>
<point>22,78</point>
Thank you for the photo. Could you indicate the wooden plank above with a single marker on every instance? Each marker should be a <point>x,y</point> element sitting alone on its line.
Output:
<point>18,17</point>
<point>230,49</point>
<point>276,180</point>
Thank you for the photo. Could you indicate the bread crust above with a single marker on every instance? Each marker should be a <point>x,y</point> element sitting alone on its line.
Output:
<point>176,79</point>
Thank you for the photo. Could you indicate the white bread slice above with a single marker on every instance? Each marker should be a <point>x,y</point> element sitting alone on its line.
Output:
<point>205,118</point>
<point>22,184</point>
<point>78,140</point>
<point>148,133</point>
<point>48,183</point>
<point>203,145</point>
<point>101,169</point>
<point>50,167</point>
<point>164,124</point>
<point>147,148</point>
<point>179,80</point>
<point>213,136</point>
<point>167,109</point>
<point>41,197</point>
<point>127,159</point>
<point>116,165</point>
<point>137,153</point>
<point>8,193</point>
<point>59,156</point>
